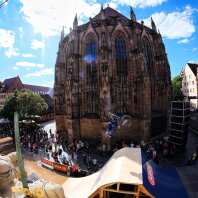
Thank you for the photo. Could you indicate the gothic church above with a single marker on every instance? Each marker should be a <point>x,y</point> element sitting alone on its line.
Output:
<point>111,64</point>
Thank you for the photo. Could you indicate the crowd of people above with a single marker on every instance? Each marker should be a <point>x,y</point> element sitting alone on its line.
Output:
<point>90,157</point>
<point>159,149</point>
<point>5,131</point>
<point>34,140</point>
<point>54,147</point>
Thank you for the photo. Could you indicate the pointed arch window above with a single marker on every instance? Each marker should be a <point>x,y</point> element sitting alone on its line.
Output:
<point>147,50</point>
<point>91,76</point>
<point>121,67</point>
<point>71,48</point>
<point>90,59</point>
<point>121,56</point>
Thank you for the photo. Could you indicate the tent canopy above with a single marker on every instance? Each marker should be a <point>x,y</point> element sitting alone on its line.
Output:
<point>125,166</point>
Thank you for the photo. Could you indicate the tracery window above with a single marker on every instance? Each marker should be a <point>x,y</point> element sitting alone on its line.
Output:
<point>121,56</point>
<point>120,89</point>
<point>147,50</point>
<point>90,59</point>
<point>71,47</point>
<point>91,76</point>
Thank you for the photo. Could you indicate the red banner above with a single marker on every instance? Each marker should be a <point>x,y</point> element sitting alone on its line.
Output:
<point>60,167</point>
<point>54,165</point>
<point>45,161</point>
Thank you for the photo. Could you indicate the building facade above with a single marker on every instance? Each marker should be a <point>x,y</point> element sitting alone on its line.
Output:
<point>190,84</point>
<point>10,85</point>
<point>111,64</point>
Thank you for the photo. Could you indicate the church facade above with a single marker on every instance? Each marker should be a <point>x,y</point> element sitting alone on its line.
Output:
<point>111,64</point>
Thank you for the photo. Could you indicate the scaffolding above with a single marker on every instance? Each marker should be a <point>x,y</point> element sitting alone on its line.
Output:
<point>178,123</point>
<point>119,190</point>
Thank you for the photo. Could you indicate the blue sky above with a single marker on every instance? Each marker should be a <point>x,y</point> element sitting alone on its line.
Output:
<point>30,32</point>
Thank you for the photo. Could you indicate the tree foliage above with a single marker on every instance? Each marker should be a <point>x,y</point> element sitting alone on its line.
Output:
<point>176,88</point>
<point>1,86</point>
<point>26,103</point>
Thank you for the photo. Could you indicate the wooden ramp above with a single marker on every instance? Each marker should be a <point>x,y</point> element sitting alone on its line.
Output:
<point>122,174</point>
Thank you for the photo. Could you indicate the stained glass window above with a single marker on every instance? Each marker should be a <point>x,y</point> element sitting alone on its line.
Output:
<point>90,59</point>
<point>147,50</point>
<point>121,56</point>
<point>91,77</point>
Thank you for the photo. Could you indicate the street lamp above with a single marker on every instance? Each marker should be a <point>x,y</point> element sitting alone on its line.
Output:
<point>3,3</point>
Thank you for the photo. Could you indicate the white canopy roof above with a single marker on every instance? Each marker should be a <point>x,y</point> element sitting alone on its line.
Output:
<point>125,166</point>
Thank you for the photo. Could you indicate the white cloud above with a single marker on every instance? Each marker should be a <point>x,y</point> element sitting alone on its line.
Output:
<point>174,25</point>
<point>7,41</point>
<point>183,41</point>
<point>139,3</point>
<point>11,52</point>
<point>29,65</point>
<point>15,68</point>
<point>191,61</point>
<point>194,49</point>
<point>27,55</point>
<point>7,38</point>
<point>20,32</point>
<point>42,72</point>
<point>36,44</point>
<point>48,16</point>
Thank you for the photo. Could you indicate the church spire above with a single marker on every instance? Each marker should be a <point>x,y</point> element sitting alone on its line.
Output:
<point>132,14</point>
<point>62,34</point>
<point>75,23</point>
<point>153,25</point>
<point>102,12</point>
<point>101,7</point>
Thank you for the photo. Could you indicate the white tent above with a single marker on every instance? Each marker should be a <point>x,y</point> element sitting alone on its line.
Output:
<point>124,167</point>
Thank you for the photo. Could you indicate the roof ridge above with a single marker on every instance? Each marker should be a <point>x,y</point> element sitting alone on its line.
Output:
<point>36,85</point>
<point>105,10</point>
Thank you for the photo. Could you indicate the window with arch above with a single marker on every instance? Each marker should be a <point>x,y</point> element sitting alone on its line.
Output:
<point>147,50</point>
<point>71,47</point>
<point>90,59</point>
<point>121,56</point>
<point>91,75</point>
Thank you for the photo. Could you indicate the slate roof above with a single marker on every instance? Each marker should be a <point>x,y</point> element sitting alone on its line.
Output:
<point>193,67</point>
<point>36,88</point>
<point>110,13</point>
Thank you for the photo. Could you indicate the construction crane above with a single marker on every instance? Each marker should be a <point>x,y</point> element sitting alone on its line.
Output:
<point>3,3</point>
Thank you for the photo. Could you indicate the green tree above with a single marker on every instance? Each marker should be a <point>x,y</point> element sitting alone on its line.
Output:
<point>1,86</point>
<point>176,88</point>
<point>26,103</point>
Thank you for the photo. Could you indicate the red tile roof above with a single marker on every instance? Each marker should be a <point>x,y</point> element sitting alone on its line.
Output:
<point>11,84</point>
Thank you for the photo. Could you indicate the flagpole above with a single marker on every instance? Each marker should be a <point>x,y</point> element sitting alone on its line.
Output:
<point>18,151</point>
